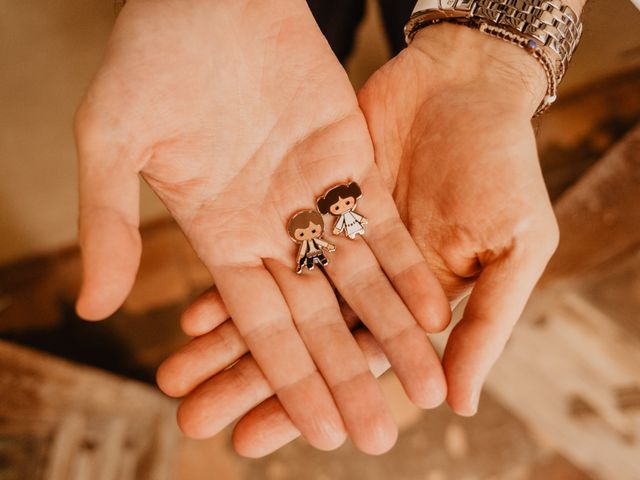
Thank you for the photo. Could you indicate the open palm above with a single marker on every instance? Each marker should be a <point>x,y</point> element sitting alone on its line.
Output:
<point>235,133</point>
<point>453,139</point>
<point>454,143</point>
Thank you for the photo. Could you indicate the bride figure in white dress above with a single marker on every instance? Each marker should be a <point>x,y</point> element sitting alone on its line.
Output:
<point>340,202</point>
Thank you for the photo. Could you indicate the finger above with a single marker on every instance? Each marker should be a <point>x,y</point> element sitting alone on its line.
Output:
<point>264,321</point>
<point>401,259</point>
<point>263,430</point>
<point>108,232</point>
<point>316,313</point>
<point>204,314</point>
<point>231,393</point>
<point>267,427</point>
<point>207,355</point>
<point>200,359</point>
<point>223,398</point>
<point>357,275</point>
<point>495,304</point>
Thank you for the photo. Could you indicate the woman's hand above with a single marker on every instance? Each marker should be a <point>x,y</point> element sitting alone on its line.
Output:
<point>216,367</point>
<point>237,114</point>
<point>450,121</point>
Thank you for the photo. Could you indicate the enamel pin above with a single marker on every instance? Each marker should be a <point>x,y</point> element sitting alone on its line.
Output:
<point>306,228</point>
<point>340,201</point>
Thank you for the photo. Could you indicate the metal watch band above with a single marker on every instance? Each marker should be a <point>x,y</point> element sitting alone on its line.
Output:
<point>551,23</point>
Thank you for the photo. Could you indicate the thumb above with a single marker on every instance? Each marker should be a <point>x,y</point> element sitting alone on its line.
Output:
<point>108,233</point>
<point>495,304</point>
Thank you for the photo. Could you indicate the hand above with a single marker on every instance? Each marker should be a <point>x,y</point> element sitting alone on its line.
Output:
<point>450,122</point>
<point>234,112</point>
<point>216,367</point>
<point>459,152</point>
<point>336,231</point>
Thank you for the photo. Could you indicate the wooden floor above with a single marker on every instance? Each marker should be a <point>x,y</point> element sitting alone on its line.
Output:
<point>563,402</point>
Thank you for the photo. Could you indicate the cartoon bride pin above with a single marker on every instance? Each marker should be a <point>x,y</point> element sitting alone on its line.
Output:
<point>340,202</point>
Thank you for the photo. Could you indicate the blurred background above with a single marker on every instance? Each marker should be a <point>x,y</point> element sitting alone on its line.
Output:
<point>78,400</point>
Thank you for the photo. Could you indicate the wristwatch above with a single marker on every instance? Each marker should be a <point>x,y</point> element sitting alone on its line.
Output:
<point>549,29</point>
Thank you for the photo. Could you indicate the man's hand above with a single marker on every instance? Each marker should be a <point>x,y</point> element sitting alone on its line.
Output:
<point>450,121</point>
<point>237,114</point>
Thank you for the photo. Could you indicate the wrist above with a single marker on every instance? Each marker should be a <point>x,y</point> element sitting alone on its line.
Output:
<point>479,64</point>
<point>225,11</point>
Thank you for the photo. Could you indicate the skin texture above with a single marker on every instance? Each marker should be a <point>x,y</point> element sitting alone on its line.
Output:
<point>450,123</point>
<point>235,136</point>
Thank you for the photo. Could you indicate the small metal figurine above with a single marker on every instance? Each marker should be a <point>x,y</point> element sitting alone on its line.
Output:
<point>306,228</point>
<point>340,202</point>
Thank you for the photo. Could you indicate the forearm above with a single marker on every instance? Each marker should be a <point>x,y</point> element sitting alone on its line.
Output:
<point>249,16</point>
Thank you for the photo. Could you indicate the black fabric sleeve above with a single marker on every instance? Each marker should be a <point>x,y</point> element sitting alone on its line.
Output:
<point>395,14</point>
<point>338,20</point>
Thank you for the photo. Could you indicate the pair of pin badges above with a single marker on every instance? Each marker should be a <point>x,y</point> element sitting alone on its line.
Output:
<point>306,227</point>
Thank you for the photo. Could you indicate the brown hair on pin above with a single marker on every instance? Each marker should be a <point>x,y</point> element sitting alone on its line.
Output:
<point>302,220</point>
<point>306,228</point>
<point>351,189</point>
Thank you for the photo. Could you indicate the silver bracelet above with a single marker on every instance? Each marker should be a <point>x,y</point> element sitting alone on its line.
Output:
<point>539,54</point>
<point>547,29</point>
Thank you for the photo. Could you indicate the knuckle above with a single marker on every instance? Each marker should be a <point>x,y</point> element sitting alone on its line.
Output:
<point>546,237</point>
<point>536,237</point>
<point>366,281</point>
<point>96,130</point>
<point>226,337</point>
<point>326,316</point>
<point>85,125</point>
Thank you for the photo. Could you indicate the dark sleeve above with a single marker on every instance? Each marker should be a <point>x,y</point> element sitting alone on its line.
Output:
<point>338,20</point>
<point>395,14</point>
